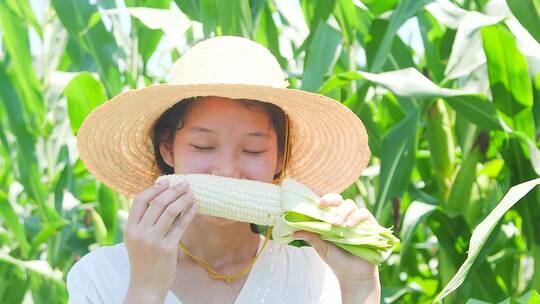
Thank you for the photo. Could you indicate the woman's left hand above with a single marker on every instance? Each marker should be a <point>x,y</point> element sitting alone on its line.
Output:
<point>345,266</point>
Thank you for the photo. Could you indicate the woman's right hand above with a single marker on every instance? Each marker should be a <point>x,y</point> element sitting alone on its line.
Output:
<point>152,235</point>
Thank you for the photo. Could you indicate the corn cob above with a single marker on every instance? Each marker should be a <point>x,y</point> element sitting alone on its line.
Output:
<point>235,199</point>
<point>441,143</point>
<point>288,207</point>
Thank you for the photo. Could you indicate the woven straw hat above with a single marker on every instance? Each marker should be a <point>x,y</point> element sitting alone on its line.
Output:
<point>328,143</point>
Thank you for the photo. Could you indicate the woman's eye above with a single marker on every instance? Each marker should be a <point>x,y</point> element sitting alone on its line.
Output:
<point>202,148</point>
<point>253,152</point>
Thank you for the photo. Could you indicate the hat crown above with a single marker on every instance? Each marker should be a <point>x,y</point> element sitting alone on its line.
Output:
<point>228,60</point>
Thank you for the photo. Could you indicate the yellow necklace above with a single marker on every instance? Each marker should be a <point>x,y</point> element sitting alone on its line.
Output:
<point>227,278</point>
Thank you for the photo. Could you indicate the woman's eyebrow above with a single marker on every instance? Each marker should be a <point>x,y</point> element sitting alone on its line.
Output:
<point>200,129</point>
<point>205,130</point>
<point>257,134</point>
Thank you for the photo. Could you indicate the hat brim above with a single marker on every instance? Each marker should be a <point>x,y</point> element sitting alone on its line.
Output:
<point>328,142</point>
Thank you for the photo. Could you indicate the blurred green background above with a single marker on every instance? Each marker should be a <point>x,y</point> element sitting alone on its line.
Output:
<point>449,92</point>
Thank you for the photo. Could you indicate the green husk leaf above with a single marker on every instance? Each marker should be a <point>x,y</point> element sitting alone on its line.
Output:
<point>302,211</point>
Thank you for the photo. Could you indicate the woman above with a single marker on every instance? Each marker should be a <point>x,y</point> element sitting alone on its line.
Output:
<point>233,119</point>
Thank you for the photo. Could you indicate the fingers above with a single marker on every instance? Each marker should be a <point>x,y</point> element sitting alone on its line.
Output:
<point>141,200</point>
<point>331,199</point>
<point>358,215</point>
<point>172,212</point>
<point>161,202</point>
<point>347,212</point>
<point>180,224</point>
<point>344,210</point>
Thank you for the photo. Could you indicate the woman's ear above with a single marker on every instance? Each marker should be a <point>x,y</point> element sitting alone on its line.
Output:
<point>166,154</point>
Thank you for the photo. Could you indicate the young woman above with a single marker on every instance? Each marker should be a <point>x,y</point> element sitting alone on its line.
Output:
<point>225,112</point>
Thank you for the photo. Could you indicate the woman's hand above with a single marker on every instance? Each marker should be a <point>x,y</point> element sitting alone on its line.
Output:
<point>350,270</point>
<point>152,234</point>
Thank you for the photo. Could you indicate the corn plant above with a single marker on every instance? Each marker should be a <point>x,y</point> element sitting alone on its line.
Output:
<point>449,92</point>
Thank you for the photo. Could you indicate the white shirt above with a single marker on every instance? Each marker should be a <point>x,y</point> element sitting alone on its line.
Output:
<point>282,274</point>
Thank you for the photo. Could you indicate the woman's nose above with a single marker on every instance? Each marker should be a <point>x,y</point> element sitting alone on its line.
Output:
<point>228,166</point>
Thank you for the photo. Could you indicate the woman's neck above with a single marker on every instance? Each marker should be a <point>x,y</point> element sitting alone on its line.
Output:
<point>220,245</point>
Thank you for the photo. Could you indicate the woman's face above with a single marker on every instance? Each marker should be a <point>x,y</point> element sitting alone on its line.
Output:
<point>223,137</point>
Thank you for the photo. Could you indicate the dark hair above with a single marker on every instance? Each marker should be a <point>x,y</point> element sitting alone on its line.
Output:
<point>171,120</point>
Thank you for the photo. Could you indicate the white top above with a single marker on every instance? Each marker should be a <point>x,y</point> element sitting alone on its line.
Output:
<point>282,274</point>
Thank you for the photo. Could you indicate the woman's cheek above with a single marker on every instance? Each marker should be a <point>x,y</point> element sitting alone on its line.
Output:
<point>259,168</point>
<point>190,162</point>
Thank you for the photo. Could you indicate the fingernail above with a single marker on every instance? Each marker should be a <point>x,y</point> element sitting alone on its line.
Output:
<point>163,182</point>
<point>297,237</point>
<point>349,223</point>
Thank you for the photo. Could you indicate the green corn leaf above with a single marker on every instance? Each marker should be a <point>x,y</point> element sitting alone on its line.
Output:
<point>147,39</point>
<point>24,11</point>
<point>17,44</point>
<point>108,209</point>
<point>466,55</point>
<point>397,161</point>
<point>173,23</point>
<point>14,287</point>
<point>536,103</point>
<point>345,13</point>
<point>235,18</point>
<point>509,78</point>
<point>48,231</point>
<point>530,297</point>
<point>267,34</point>
<point>432,34</point>
<point>477,109</point>
<point>404,10</point>
<point>473,301</point>
<point>84,94</point>
<point>100,230</point>
<point>390,112</point>
<point>190,8</point>
<point>27,160</point>
<point>459,200</point>
<point>527,13</point>
<point>483,231</point>
<point>378,7</point>
<point>315,12</point>
<point>416,213</point>
<point>11,220</point>
<point>411,83</point>
<point>320,56</point>
<point>208,17</point>
<point>533,151</point>
<point>96,40</point>
<point>365,111</point>
<point>40,267</point>
<point>399,55</point>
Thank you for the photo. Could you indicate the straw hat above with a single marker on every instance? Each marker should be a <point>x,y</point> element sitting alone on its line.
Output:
<point>328,142</point>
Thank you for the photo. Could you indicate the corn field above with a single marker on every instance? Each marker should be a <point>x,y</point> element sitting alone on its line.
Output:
<point>448,90</point>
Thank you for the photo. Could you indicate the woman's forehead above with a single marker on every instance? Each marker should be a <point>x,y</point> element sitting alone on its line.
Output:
<point>217,111</point>
<point>204,130</point>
